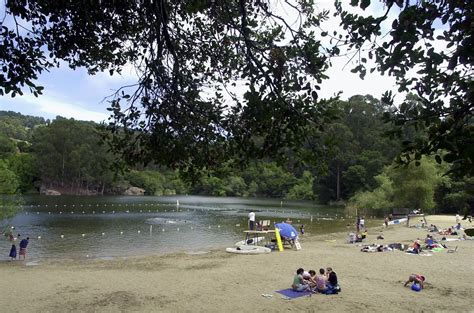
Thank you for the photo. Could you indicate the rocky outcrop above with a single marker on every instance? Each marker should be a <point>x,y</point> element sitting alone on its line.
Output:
<point>49,192</point>
<point>134,191</point>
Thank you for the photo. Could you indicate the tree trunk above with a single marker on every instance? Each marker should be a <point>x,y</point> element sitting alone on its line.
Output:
<point>338,184</point>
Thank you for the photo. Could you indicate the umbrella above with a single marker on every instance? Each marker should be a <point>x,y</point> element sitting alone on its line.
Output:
<point>287,231</point>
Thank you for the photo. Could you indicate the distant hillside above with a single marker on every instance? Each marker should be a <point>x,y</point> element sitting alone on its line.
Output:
<point>17,126</point>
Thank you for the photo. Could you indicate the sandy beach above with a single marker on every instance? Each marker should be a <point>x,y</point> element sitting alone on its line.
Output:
<point>222,282</point>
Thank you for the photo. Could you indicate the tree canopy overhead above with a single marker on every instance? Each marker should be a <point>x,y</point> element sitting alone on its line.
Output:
<point>429,49</point>
<point>193,58</point>
<point>190,56</point>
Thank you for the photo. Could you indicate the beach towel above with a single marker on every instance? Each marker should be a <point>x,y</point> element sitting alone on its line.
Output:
<point>290,293</point>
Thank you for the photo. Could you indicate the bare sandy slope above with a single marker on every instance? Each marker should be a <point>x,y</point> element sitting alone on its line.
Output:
<point>223,282</point>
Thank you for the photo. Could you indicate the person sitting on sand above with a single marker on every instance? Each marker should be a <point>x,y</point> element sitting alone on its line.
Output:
<point>299,283</point>
<point>415,278</point>
<point>312,278</point>
<point>415,248</point>
<point>432,228</point>
<point>364,233</point>
<point>321,281</point>
<point>352,238</point>
<point>332,284</point>
<point>429,241</point>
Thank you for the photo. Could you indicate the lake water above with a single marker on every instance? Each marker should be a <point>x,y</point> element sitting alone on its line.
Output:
<point>108,227</point>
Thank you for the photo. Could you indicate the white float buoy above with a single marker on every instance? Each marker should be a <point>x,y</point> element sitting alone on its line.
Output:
<point>39,237</point>
<point>139,232</point>
<point>103,234</point>
<point>121,233</point>
<point>62,236</point>
<point>83,235</point>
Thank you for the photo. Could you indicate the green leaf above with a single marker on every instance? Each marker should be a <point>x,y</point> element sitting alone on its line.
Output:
<point>364,4</point>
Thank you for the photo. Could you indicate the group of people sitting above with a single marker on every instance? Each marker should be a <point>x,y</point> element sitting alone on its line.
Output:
<point>433,228</point>
<point>451,230</point>
<point>325,282</point>
<point>357,237</point>
<point>430,244</point>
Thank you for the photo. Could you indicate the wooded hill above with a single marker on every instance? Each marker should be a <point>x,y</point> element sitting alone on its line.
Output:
<point>355,165</point>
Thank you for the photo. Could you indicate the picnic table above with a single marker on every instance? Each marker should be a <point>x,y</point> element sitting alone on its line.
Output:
<point>254,234</point>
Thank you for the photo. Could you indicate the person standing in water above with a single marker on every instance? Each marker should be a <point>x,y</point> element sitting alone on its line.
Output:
<point>23,245</point>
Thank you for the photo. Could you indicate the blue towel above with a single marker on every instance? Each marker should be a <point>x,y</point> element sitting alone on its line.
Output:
<point>290,293</point>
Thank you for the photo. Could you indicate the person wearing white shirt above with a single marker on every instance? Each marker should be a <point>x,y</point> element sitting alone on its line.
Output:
<point>251,220</point>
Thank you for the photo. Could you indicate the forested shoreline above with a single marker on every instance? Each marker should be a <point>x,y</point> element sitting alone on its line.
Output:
<point>355,166</point>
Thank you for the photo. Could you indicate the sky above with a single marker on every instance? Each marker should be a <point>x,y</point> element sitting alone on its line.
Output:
<point>75,94</point>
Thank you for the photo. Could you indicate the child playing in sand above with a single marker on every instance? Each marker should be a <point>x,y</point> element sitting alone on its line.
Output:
<point>415,278</point>
<point>299,283</point>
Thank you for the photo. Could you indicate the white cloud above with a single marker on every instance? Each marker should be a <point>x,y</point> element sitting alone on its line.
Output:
<point>56,106</point>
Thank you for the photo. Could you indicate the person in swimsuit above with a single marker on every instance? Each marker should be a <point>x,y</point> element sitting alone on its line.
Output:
<point>415,278</point>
